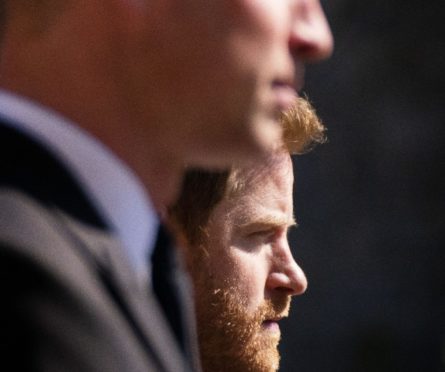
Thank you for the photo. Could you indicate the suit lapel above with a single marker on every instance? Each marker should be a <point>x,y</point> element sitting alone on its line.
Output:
<point>29,167</point>
<point>136,301</point>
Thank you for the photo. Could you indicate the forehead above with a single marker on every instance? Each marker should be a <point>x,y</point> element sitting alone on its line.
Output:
<point>250,180</point>
<point>261,192</point>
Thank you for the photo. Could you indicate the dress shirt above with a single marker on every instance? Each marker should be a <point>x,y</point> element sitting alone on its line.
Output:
<point>113,188</point>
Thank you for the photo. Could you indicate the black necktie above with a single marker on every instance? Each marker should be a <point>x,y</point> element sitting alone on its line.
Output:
<point>170,288</point>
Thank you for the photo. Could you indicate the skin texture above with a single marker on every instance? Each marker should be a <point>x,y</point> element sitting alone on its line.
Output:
<point>244,271</point>
<point>167,82</point>
<point>229,76</point>
<point>163,82</point>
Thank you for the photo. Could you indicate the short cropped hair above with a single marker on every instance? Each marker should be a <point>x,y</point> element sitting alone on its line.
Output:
<point>202,190</point>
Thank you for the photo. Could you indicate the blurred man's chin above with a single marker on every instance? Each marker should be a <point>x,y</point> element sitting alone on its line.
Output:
<point>268,133</point>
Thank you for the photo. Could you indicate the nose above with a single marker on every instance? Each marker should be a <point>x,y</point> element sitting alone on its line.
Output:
<point>285,275</point>
<point>311,38</point>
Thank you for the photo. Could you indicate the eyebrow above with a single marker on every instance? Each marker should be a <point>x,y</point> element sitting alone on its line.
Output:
<point>268,221</point>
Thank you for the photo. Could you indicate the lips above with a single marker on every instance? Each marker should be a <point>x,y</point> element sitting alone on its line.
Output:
<point>284,95</point>
<point>271,325</point>
<point>287,85</point>
<point>272,312</point>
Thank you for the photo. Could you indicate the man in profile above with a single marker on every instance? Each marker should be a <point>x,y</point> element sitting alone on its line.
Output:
<point>235,225</point>
<point>101,103</point>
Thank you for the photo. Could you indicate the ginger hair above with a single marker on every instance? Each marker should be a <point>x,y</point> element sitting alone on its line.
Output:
<point>202,190</point>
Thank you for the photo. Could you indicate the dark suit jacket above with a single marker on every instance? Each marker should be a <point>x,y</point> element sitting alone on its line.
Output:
<point>69,299</point>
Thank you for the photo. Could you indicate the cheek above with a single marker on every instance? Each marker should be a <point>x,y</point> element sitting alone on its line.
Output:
<point>225,271</point>
<point>246,273</point>
<point>262,17</point>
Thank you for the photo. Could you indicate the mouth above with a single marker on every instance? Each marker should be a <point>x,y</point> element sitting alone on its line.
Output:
<point>287,85</point>
<point>285,94</point>
<point>271,324</point>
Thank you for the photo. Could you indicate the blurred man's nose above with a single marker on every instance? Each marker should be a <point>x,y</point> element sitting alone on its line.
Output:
<point>285,274</point>
<point>311,38</point>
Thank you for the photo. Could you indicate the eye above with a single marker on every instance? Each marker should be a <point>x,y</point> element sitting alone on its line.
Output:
<point>262,234</point>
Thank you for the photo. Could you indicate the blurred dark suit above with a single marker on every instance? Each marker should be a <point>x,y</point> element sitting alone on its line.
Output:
<point>69,299</point>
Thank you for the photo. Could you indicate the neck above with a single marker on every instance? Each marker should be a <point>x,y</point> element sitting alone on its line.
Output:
<point>163,186</point>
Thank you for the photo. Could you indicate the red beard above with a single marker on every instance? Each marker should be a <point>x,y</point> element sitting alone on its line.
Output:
<point>232,340</point>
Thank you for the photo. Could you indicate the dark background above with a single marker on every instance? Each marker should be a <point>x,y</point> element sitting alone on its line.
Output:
<point>370,202</point>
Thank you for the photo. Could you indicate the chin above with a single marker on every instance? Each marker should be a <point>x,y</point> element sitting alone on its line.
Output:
<point>268,134</point>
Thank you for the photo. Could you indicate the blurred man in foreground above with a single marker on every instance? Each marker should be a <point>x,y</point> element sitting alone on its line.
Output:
<point>235,225</point>
<point>101,103</point>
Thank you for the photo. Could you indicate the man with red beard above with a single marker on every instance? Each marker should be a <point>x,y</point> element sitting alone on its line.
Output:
<point>235,225</point>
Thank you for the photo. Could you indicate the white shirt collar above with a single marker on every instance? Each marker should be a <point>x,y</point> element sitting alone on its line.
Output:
<point>114,189</point>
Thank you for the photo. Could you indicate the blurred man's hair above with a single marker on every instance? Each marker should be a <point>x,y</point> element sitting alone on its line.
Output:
<point>202,190</point>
